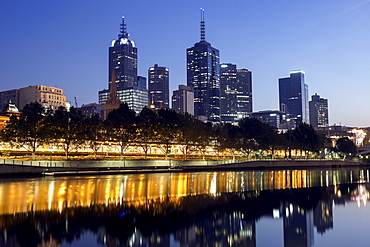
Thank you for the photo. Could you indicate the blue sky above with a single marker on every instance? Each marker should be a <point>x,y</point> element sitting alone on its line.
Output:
<point>65,44</point>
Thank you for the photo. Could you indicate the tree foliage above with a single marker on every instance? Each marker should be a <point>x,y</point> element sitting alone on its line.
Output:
<point>30,130</point>
<point>161,128</point>
<point>346,146</point>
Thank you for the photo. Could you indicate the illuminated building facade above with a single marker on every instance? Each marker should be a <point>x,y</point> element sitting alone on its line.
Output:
<point>183,100</point>
<point>158,87</point>
<point>293,97</point>
<point>49,97</point>
<point>236,93</point>
<point>319,114</point>
<point>203,74</point>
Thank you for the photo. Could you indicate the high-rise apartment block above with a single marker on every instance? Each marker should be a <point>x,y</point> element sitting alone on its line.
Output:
<point>319,114</point>
<point>131,88</point>
<point>203,75</point>
<point>236,93</point>
<point>293,97</point>
<point>158,87</point>
<point>183,100</point>
<point>49,97</point>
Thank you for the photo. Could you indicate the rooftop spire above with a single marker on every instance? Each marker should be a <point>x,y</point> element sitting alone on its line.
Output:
<point>124,33</point>
<point>202,26</point>
<point>113,102</point>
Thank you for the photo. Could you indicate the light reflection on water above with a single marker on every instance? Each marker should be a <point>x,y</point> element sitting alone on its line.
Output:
<point>291,217</point>
<point>60,192</point>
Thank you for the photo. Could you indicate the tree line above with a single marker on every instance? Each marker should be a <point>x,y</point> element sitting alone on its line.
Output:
<point>37,126</point>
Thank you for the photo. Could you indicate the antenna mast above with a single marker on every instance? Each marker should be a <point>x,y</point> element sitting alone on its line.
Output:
<point>123,33</point>
<point>202,26</point>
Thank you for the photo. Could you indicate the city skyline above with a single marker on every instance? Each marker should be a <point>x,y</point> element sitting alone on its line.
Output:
<point>65,45</point>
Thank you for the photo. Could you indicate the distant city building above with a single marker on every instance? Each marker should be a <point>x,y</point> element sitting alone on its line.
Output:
<point>276,119</point>
<point>9,96</point>
<point>123,60</point>
<point>293,97</point>
<point>158,87</point>
<point>319,113</point>
<point>203,74</point>
<point>131,88</point>
<point>135,97</point>
<point>92,109</point>
<point>49,97</point>
<point>236,93</point>
<point>8,111</point>
<point>183,100</point>
<point>141,82</point>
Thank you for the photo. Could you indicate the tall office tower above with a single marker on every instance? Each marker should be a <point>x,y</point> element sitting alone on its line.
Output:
<point>203,75</point>
<point>131,88</point>
<point>236,93</point>
<point>183,100</point>
<point>293,97</point>
<point>319,116</point>
<point>158,91</point>
<point>123,60</point>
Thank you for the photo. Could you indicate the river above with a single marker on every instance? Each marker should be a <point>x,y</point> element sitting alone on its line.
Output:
<point>228,208</point>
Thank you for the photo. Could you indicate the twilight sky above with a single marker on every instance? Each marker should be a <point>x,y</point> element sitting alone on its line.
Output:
<point>65,44</point>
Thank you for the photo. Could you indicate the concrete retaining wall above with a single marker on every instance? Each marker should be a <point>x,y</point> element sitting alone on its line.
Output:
<point>38,167</point>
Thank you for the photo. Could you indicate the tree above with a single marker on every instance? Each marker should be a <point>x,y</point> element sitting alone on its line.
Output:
<point>306,138</point>
<point>30,130</point>
<point>229,137</point>
<point>69,128</point>
<point>187,132</point>
<point>147,127</point>
<point>168,128</point>
<point>346,146</point>
<point>121,126</point>
<point>256,135</point>
<point>94,133</point>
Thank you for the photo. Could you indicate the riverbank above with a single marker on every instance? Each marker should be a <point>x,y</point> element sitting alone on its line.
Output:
<point>71,168</point>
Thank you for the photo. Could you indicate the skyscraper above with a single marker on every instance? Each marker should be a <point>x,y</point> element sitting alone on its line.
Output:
<point>123,59</point>
<point>203,75</point>
<point>293,97</point>
<point>158,93</point>
<point>319,116</point>
<point>236,93</point>
<point>131,89</point>
<point>183,100</point>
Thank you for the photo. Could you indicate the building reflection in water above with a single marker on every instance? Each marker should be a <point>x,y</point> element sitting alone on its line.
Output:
<point>67,197</point>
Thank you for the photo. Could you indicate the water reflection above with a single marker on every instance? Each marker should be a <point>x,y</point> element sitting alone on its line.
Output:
<point>187,209</point>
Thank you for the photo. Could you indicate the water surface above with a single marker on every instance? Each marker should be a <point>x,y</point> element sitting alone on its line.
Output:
<point>236,208</point>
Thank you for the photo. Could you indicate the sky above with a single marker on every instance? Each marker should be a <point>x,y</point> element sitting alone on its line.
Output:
<point>65,44</point>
